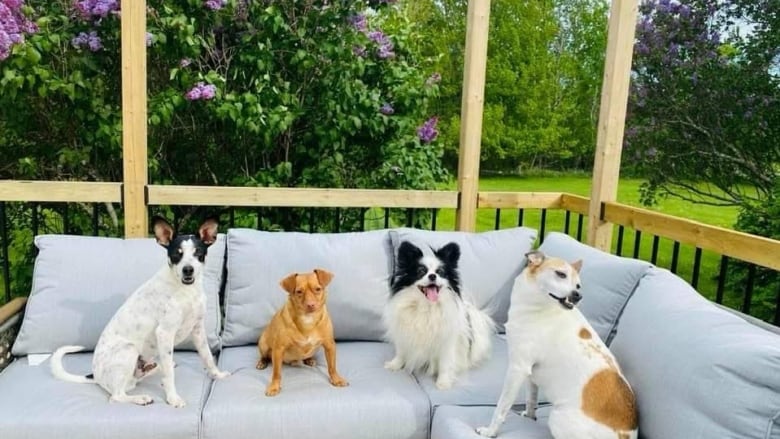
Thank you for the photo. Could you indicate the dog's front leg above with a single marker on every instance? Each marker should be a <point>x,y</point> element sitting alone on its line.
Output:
<point>531,401</point>
<point>165,340</point>
<point>204,352</point>
<point>277,357</point>
<point>516,374</point>
<point>446,370</point>
<point>330,356</point>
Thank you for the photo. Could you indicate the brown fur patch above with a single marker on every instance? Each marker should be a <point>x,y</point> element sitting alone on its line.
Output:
<point>585,334</point>
<point>608,400</point>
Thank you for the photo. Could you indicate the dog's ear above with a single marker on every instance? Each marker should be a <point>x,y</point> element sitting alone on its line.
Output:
<point>450,254</point>
<point>208,231</point>
<point>323,276</point>
<point>577,265</point>
<point>408,252</point>
<point>163,231</point>
<point>289,283</point>
<point>535,258</point>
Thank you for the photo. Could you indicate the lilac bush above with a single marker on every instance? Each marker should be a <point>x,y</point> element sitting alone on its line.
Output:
<point>14,25</point>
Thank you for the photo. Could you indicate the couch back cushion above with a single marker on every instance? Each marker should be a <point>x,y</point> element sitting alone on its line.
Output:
<point>608,281</point>
<point>489,261</point>
<point>79,282</point>
<point>698,371</point>
<point>258,261</point>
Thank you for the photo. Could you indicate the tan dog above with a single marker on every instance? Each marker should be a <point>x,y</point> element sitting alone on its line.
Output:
<point>299,328</point>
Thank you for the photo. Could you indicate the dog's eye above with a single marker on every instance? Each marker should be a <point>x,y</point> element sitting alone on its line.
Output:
<point>299,292</point>
<point>318,289</point>
<point>560,274</point>
<point>181,251</point>
<point>421,270</point>
<point>440,271</point>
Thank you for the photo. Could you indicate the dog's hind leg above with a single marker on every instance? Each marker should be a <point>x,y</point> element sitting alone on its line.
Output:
<point>516,374</point>
<point>531,401</point>
<point>311,362</point>
<point>396,364</point>
<point>265,353</point>
<point>120,378</point>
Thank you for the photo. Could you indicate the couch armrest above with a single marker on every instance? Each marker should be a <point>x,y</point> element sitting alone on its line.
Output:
<point>10,318</point>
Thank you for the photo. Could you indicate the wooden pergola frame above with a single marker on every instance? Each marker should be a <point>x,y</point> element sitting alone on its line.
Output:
<point>606,167</point>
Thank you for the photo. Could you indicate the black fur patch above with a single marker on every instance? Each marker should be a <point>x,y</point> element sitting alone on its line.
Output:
<point>410,269</point>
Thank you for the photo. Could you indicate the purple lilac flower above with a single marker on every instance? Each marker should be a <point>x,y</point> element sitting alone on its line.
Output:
<point>359,22</point>
<point>359,51</point>
<point>386,109</point>
<point>385,51</point>
<point>651,152</point>
<point>685,11</point>
<point>89,40</point>
<point>96,9</point>
<point>215,5</point>
<point>427,132</point>
<point>200,91</point>
<point>185,62</point>
<point>433,79</point>
<point>148,39</point>
<point>378,37</point>
<point>13,26</point>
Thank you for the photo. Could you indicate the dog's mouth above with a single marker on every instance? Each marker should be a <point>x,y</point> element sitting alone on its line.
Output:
<point>188,280</point>
<point>430,291</point>
<point>565,302</point>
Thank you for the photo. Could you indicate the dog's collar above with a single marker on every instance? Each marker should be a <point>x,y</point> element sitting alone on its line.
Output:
<point>562,300</point>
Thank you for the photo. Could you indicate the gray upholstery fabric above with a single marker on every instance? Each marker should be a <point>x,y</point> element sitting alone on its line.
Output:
<point>377,404</point>
<point>451,422</point>
<point>699,372</point>
<point>35,405</point>
<point>479,386</point>
<point>489,261</point>
<point>258,261</point>
<point>608,281</point>
<point>80,281</point>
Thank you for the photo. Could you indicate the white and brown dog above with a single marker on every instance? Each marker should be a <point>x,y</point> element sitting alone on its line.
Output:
<point>164,311</point>
<point>551,344</point>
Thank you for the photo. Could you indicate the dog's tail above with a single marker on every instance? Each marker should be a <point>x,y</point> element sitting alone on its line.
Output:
<point>482,327</point>
<point>59,372</point>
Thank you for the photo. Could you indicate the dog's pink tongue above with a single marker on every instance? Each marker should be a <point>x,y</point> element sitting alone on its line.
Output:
<point>431,293</point>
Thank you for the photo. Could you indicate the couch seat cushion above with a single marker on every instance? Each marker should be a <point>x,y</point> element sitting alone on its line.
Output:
<point>35,405</point>
<point>489,261</point>
<point>608,281</point>
<point>377,403</point>
<point>258,260</point>
<point>698,371</point>
<point>452,422</point>
<point>80,281</point>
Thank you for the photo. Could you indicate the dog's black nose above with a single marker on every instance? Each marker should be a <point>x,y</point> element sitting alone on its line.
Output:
<point>575,296</point>
<point>187,270</point>
<point>432,277</point>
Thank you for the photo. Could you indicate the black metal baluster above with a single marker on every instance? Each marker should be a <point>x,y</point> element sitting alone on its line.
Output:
<point>696,268</point>
<point>6,245</point>
<point>311,220</point>
<point>748,300</point>
<point>498,220</point>
<point>566,220</point>
<point>675,256</point>
<point>35,219</point>
<point>259,213</point>
<point>232,220</point>
<point>777,306</point>
<point>542,225</point>
<point>363,219</point>
<point>95,219</point>
<point>724,267</point>
<point>433,218</point>
<point>387,218</point>
<point>520,218</point>
<point>65,219</point>
<point>580,219</point>
<point>654,252</point>
<point>637,243</point>
<point>409,217</point>
<point>337,227</point>
<point>619,249</point>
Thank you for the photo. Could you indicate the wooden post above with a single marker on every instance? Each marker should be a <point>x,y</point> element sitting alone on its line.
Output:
<point>134,156</point>
<point>471,112</point>
<point>612,117</point>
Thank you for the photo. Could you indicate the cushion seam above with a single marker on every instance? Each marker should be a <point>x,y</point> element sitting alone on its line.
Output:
<point>613,328</point>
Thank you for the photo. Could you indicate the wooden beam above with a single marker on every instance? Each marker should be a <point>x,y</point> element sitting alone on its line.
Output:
<point>612,117</point>
<point>575,203</point>
<point>134,156</point>
<point>299,197</point>
<point>475,64</point>
<point>60,191</point>
<point>11,308</point>
<point>750,248</point>
<point>529,200</point>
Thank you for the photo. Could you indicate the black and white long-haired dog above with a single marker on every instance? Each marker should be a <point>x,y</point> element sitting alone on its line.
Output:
<point>433,327</point>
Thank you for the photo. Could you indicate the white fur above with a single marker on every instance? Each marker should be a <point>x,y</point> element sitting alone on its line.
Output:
<point>442,338</point>
<point>544,347</point>
<point>158,315</point>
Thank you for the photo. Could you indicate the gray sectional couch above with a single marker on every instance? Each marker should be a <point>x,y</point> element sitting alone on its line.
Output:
<point>699,371</point>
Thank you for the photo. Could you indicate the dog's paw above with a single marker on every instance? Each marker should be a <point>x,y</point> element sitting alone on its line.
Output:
<point>525,414</point>
<point>273,389</point>
<point>220,374</point>
<point>486,431</point>
<point>311,362</point>
<point>338,381</point>
<point>176,401</point>
<point>262,364</point>
<point>395,364</point>
<point>444,382</point>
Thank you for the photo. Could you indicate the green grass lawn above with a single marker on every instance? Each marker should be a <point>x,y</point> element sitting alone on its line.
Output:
<point>628,193</point>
